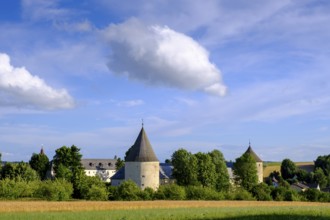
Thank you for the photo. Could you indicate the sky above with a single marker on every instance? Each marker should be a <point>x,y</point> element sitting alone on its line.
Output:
<point>202,75</point>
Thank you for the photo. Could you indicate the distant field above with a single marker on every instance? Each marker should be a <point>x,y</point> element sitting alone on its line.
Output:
<point>174,210</point>
<point>269,167</point>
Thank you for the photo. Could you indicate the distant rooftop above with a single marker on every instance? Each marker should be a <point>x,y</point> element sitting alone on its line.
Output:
<point>253,154</point>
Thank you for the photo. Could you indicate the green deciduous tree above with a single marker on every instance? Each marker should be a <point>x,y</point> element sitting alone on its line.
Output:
<point>288,169</point>
<point>206,171</point>
<point>320,177</point>
<point>184,167</point>
<point>222,176</point>
<point>67,165</point>
<point>245,171</point>
<point>40,163</point>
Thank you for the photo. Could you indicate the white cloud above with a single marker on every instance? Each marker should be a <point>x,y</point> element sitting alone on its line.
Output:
<point>20,88</point>
<point>158,55</point>
<point>131,103</point>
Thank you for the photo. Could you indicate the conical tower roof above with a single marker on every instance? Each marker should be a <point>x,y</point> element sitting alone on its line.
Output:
<point>142,150</point>
<point>253,154</point>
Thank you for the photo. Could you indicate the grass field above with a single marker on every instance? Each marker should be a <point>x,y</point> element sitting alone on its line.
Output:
<point>194,210</point>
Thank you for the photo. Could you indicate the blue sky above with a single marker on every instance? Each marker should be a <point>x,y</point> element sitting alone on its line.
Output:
<point>203,75</point>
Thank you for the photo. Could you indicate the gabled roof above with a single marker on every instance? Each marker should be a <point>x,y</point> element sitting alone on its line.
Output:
<point>142,150</point>
<point>99,164</point>
<point>253,154</point>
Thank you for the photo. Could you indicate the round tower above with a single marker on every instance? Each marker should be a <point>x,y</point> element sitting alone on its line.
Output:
<point>141,163</point>
<point>259,163</point>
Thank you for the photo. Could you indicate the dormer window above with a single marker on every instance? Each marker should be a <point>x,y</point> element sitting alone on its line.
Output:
<point>109,164</point>
<point>91,164</point>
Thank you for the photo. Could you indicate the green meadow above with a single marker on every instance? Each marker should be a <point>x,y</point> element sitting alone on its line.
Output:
<point>213,213</point>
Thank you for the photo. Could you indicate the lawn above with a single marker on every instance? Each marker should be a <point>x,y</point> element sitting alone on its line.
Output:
<point>194,210</point>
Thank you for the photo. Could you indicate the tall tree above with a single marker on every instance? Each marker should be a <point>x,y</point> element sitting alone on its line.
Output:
<point>206,172</point>
<point>288,169</point>
<point>245,171</point>
<point>67,165</point>
<point>222,176</point>
<point>40,163</point>
<point>184,167</point>
<point>20,170</point>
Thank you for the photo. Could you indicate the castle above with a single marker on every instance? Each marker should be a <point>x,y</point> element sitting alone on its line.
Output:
<point>143,167</point>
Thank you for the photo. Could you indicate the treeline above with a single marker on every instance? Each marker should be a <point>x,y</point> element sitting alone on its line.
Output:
<point>200,176</point>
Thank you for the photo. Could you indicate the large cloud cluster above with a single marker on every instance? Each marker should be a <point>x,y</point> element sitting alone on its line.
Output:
<point>158,55</point>
<point>21,89</point>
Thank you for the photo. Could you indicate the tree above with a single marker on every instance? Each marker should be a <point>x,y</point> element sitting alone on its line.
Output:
<point>222,176</point>
<point>245,171</point>
<point>40,163</point>
<point>119,164</point>
<point>323,162</point>
<point>320,177</point>
<point>67,159</point>
<point>20,170</point>
<point>206,172</point>
<point>67,165</point>
<point>184,167</point>
<point>288,169</point>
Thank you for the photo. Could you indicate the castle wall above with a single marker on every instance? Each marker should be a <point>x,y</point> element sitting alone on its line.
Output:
<point>144,174</point>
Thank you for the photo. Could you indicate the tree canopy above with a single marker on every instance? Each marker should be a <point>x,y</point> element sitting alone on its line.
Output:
<point>288,169</point>
<point>40,163</point>
<point>184,167</point>
<point>245,171</point>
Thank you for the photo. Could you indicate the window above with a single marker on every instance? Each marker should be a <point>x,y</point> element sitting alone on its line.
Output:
<point>109,164</point>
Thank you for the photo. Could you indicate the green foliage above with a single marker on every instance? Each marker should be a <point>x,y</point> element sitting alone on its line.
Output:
<point>284,194</point>
<point>127,190</point>
<point>245,171</point>
<point>119,164</point>
<point>206,172</point>
<point>19,171</point>
<point>87,185</point>
<point>18,188</point>
<point>147,194</point>
<point>55,190</point>
<point>40,163</point>
<point>171,192</point>
<point>184,167</point>
<point>261,192</point>
<point>288,169</point>
<point>221,172</point>
<point>323,162</point>
<point>202,193</point>
<point>320,177</point>
<point>240,194</point>
<point>97,193</point>
<point>67,165</point>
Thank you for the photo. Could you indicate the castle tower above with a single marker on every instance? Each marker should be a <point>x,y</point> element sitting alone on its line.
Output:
<point>259,163</point>
<point>141,163</point>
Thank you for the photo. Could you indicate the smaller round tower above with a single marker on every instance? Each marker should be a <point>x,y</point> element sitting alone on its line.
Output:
<point>259,163</point>
<point>141,163</point>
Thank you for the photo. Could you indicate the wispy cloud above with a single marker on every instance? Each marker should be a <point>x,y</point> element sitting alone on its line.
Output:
<point>130,103</point>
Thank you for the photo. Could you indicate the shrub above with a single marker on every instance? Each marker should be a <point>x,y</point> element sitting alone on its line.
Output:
<point>202,193</point>
<point>14,189</point>
<point>171,192</point>
<point>128,190</point>
<point>97,193</point>
<point>147,194</point>
<point>261,192</point>
<point>241,194</point>
<point>57,190</point>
